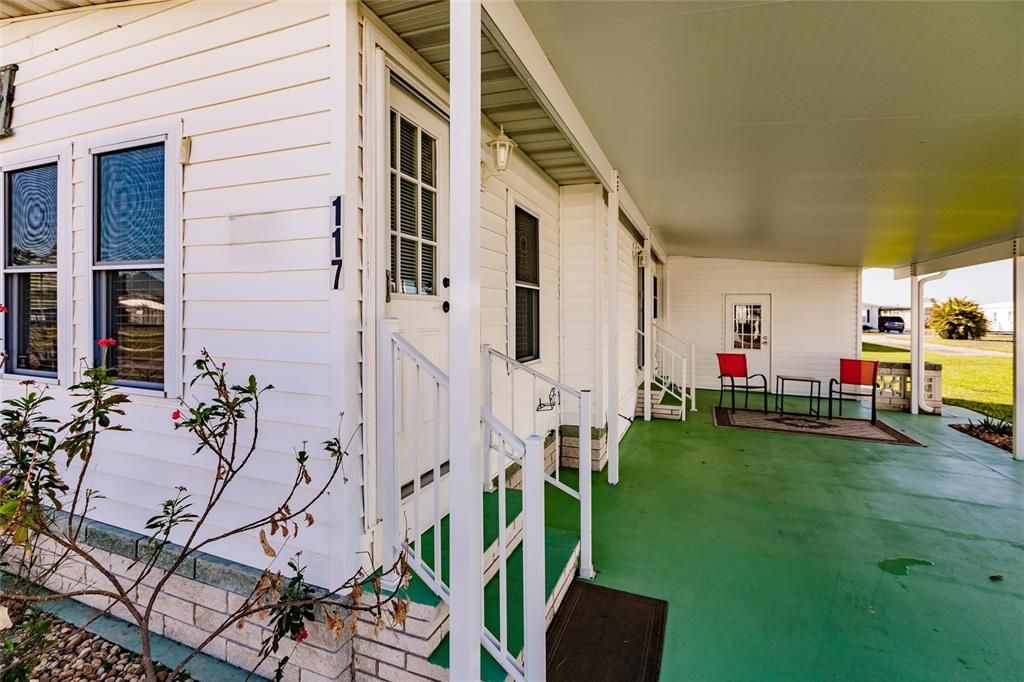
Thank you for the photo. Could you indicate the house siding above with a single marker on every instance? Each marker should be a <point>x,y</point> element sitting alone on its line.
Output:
<point>815,311</point>
<point>249,84</point>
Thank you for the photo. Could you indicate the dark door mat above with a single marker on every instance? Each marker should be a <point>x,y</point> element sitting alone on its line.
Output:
<point>839,427</point>
<point>604,635</point>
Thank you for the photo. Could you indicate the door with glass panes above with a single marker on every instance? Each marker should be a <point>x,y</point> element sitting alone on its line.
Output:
<point>748,325</point>
<point>417,160</point>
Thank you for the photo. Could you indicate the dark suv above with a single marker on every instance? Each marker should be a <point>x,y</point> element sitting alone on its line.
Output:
<point>891,324</point>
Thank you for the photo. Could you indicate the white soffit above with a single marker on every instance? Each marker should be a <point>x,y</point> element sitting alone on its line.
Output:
<point>874,134</point>
<point>10,9</point>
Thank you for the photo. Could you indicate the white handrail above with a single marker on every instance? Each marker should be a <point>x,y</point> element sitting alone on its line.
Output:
<point>583,422</point>
<point>665,341</point>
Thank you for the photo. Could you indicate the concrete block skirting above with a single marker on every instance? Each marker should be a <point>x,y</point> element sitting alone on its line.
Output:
<point>196,601</point>
<point>571,448</point>
<point>894,389</point>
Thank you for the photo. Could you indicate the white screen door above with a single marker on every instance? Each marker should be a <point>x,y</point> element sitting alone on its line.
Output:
<point>417,234</point>
<point>748,325</point>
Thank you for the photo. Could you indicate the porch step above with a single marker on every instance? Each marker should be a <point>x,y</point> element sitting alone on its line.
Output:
<point>664,405</point>
<point>561,555</point>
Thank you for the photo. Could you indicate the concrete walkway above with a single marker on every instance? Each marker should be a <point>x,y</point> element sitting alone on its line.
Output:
<point>902,341</point>
<point>793,557</point>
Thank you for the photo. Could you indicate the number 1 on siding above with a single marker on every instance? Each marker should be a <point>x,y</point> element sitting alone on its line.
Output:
<point>337,222</point>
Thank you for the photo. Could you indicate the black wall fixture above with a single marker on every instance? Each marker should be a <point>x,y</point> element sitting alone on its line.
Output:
<point>7,98</point>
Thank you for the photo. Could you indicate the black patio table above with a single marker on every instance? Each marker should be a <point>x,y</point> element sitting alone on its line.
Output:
<point>813,391</point>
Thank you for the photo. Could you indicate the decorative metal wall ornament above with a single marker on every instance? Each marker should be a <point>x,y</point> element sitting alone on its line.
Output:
<point>7,98</point>
<point>552,402</point>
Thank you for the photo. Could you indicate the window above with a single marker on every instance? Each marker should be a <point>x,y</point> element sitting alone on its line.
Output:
<point>31,269</point>
<point>746,327</point>
<point>641,291</point>
<point>527,272</point>
<point>413,208</point>
<point>655,294</point>
<point>128,255</point>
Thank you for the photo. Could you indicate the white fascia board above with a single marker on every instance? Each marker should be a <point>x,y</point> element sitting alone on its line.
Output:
<point>984,254</point>
<point>515,39</point>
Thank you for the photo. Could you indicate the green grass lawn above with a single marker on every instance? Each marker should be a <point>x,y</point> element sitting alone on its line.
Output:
<point>1002,343</point>
<point>983,384</point>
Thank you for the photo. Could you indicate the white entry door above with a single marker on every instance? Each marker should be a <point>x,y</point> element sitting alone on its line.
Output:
<point>417,268</point>
<point>748,326</point>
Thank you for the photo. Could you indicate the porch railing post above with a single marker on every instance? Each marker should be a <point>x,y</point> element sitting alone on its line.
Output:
<point>586,471</point>
<point>534,593</point>
<point>488,401</point>
<point>387,462</point>
<point>693,378</point>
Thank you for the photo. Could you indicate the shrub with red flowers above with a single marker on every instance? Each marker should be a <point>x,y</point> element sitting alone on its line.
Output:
<point>45,463</point>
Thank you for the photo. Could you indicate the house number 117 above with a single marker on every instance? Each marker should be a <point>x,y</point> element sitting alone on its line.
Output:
<point>337,221</point>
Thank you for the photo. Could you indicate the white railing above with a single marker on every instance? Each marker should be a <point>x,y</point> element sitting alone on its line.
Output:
<point>675,367</point>
<point>415,430</point>
<point>528,454</point>
<point>550,396</point>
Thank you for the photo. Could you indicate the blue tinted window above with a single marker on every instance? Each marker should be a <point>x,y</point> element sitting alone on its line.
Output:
<point>32,216</point>
<point>130,205</point>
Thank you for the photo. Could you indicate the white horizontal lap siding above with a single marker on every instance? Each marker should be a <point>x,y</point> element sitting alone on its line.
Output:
<point>628,313</point>
<point>538,194</point>
<point>815,311</point>
<point>248,82</point>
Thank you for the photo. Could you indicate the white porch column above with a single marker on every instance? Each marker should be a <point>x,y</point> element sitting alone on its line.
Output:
<point>613,330</point>
<point>464,343</point>
<point>648,323</point>
<point>1018,349</point>
<point>916,344</point>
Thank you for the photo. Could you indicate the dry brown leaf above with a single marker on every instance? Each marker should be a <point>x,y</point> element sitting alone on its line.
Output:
<point>267,549</point>
<point>309,519</point>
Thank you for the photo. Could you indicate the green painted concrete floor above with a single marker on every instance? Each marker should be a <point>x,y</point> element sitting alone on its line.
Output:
<point>767,548</point>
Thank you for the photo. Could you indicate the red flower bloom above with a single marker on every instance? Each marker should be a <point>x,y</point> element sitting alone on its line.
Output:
<point>107,343</point>
<point>3,308</point>
<point>301,635</point>
<point>176,415</point>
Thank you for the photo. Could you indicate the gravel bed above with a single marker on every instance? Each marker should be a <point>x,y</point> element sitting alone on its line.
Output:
<point>73,655</point>
<point>1000,441</point>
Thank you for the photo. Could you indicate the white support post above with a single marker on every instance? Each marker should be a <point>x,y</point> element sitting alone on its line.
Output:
<point>488,402</point>
<point>534,592</point>
<point>916,344</point>
<point>387,455</point>
<point>586,504</point>
<point>613,330</point>
<point>1018,349</point>
<point>648,323</point>
<point>693,378</point>
<point>466,605</point>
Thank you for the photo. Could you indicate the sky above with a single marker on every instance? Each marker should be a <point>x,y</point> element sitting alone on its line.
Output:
<point>988,283</point>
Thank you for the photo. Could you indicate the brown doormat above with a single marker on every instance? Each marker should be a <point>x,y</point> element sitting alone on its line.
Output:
<point>839,427</point>
<point>604,635</point>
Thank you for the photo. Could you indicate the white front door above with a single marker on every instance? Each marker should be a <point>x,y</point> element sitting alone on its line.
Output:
<point>748,325</point>
<point>417,267</point>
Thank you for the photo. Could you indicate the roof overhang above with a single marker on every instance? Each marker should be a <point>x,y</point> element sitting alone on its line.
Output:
<point>13,9</point>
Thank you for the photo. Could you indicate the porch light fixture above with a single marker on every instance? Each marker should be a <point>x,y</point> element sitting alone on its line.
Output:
<point>501,148</point>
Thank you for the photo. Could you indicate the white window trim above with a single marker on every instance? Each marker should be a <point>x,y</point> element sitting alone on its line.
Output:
<point>168,132</point>
<point>28,158</point>
<point>514,201</point>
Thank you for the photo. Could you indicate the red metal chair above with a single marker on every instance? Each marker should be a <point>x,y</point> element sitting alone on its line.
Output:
<point>858,373</point>
<point>733,366</point>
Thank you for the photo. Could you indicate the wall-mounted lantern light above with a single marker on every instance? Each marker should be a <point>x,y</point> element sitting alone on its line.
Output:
<point>501,148</point>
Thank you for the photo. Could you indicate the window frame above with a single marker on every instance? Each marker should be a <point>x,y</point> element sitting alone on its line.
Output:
<point>516,202</point>
<point>168,133</point>
<point>60,154</point>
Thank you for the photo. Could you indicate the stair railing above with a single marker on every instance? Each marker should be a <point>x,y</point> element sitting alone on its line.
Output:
<point>551,396</point>
<point>529,455</point>
<point>416,429</point>
<point>675,365</point>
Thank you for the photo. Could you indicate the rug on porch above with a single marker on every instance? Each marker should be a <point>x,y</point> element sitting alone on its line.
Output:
<point>605,635</point>
<point>838,427</point>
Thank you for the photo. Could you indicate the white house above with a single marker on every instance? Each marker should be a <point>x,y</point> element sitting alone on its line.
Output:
<point>1000,316</point>
<point>319,194</point>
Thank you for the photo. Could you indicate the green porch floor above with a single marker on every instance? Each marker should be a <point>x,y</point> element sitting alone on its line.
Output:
<point>767,548</point>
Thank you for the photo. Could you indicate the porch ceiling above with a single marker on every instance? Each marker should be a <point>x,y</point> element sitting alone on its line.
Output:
<point>872,134</point>
<point>505,99</point>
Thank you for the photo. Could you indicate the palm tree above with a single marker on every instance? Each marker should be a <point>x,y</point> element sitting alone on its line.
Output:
<point>957,318</point>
